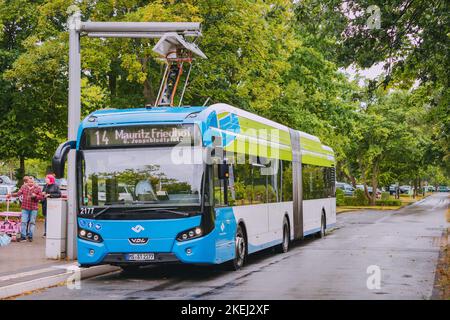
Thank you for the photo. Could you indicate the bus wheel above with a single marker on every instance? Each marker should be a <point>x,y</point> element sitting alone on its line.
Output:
<point>322,231</point>
<point>240,246</point>
<point>284,246</point>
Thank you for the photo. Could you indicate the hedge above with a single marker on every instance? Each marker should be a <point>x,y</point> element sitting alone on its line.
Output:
<point>385,196</point>
<point>359,199</point>
<point>391,202</point>
<point>340,198</point>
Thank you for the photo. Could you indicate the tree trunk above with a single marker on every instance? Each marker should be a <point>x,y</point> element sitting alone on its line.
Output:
<point>112,83</point>
<point>373,198</point>
<point>350,178</point>
<point>149,97</point>
<point>21,172</point>
<point>11,170</point>
<point>415,188</point>
<point>148,92</point>
<point>363,177</point>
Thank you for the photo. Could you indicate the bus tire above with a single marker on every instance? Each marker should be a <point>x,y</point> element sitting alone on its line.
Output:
<point>284,246</point>
<point>323,226</point>
<point>240,247</point>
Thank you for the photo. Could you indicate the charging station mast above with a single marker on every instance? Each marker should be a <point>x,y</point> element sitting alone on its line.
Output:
<point>172,37</point>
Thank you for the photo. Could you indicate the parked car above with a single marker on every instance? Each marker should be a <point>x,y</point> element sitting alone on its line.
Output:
<point>369,189</point>
<point>5,190</point>
<point>125,193</point>
<point>6,180</point>
<point>40,182</point>
<point>393,189</point>
<point>443,189</point>
<point>405,189</point>
<point>62,183</point>
<point>347,188</point>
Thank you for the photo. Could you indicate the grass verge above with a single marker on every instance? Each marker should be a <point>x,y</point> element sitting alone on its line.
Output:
<point>442,280</point>
<point>406,200</point>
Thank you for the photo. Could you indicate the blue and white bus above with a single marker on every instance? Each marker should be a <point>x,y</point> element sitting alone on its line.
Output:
<point>200,185</point>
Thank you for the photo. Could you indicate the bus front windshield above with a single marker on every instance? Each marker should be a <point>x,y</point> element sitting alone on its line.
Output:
<point>144,176</point>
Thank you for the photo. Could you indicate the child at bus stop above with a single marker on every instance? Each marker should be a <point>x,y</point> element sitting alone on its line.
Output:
<point>31,195</point>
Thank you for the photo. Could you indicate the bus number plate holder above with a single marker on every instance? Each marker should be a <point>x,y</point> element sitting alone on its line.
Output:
<point>140,257</point>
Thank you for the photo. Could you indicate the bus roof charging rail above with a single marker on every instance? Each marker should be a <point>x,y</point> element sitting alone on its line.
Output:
<point>172,47</point>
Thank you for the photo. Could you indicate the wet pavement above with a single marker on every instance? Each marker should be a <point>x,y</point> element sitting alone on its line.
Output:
<point>402,247</point>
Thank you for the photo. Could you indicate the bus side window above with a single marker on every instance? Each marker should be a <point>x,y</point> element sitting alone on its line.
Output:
<point>333,182</point>
<point>272,181</point>
<point>319,186</point>
<point>218,186</point>
<point>329,183</point>
<point>231,187</point>
<point>287,181</point>
<point>280,181</point>
<point>259,185</point>
<point>308,181</point>
<point>243,188</point>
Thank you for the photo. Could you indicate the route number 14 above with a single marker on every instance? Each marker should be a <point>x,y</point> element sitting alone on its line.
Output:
<point>104,138</point>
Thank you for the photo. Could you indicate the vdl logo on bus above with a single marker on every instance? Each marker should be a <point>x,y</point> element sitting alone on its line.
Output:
<point>138,240</point>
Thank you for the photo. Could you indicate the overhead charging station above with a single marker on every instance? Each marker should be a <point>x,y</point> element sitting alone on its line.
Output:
<point>176,47</point>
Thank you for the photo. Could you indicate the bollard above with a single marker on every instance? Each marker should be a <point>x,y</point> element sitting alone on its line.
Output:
<point>55,246</point>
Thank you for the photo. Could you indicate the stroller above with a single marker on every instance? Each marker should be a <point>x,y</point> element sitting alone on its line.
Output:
<point>10,227</point>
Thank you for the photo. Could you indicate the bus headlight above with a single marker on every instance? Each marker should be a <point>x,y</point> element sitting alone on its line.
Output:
<point>190,234</point>
<point>89,236</point>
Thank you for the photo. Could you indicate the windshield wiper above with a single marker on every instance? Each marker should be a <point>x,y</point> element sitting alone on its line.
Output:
<point>168,210</point>
<point>101,212</point>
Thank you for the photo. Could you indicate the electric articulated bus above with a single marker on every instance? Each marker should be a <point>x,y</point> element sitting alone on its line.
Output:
<point>147,195</point>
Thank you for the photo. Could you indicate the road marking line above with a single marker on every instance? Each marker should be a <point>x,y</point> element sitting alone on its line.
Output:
<point>31,273</point>
<point>25,274</point>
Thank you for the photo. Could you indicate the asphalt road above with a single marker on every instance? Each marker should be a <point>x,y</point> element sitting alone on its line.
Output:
<point>402,245</point>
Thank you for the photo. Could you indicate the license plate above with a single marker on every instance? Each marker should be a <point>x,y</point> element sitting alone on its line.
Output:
<point>140,257</point>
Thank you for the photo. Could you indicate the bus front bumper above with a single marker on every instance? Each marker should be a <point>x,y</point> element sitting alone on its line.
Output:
<point>198,251</point>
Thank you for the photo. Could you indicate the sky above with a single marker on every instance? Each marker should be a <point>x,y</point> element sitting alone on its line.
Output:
<point>370,73</point>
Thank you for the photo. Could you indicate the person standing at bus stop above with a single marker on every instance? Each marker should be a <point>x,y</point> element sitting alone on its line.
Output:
<point>50,190</point>
<point>31,195</point>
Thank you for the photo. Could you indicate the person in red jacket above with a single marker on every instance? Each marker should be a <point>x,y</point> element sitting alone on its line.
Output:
<point>31,195</point>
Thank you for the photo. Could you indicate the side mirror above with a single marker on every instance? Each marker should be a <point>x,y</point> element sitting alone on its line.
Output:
<point>224,171</point>
<point>59,159</point>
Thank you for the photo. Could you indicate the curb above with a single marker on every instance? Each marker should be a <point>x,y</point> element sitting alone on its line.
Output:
<point>46,282</point>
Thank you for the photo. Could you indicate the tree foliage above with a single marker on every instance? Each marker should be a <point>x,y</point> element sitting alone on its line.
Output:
<point>280,59</point>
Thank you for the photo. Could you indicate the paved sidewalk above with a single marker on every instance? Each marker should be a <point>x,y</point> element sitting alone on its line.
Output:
<point>24,267</point>
<point>19,256</point>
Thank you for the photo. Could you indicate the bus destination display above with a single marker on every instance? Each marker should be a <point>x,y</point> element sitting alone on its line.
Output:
<point>138,135</point>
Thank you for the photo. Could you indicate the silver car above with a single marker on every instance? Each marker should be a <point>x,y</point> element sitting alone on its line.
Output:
<point>348,189</point>
<point>5,190</point>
